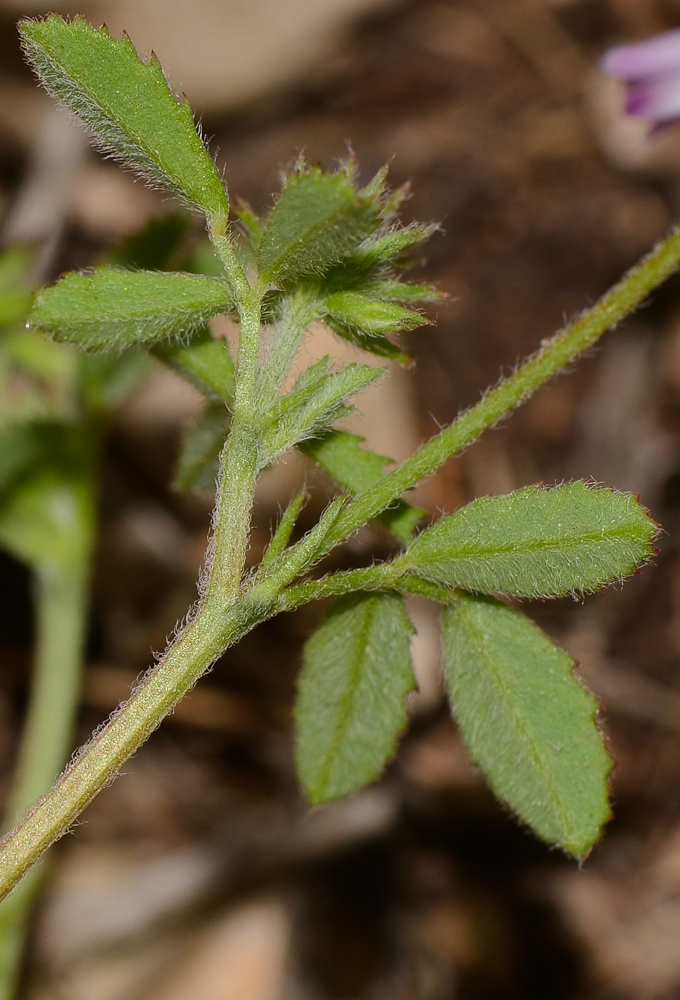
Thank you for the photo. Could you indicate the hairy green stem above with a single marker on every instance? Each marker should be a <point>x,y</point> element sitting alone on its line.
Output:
<point>219,621</point>
<point>214,629</point>
<point>238,466</point>
<point>225,614</point>
<point>554,355</point>
<point>382,576</point>
<point>61,608</point>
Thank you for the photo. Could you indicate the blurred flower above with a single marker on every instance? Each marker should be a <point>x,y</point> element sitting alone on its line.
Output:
<point>651,70</point>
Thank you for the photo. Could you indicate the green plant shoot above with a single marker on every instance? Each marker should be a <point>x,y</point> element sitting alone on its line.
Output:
<point>333,250</point>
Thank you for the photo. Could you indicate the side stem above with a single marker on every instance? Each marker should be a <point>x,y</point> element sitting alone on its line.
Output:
<point>554,355</point>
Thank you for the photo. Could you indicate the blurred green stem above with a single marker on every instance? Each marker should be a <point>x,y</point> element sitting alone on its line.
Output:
<point>61,612</point>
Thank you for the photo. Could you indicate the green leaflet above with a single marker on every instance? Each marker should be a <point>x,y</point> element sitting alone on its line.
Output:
<point>388,290</point>
<point>351,700</point>
<point>365,321</point>
<point>110,308</point>
<point>378,259</point>
<point>315,402</point>
<point>536,542</point>
<point>317,221</point>
<point>390,245</point>
<point>128,107</point>
<point>371,342</point>
<point>341,456</point>
<point>527,721</point>
<point>204,361</point>
<point>198,463</point>
<point>371,316</point>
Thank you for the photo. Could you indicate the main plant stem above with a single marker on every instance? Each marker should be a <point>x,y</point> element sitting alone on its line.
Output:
<point>238,468</point>
<point>225,614</point>
<point>219,620</point>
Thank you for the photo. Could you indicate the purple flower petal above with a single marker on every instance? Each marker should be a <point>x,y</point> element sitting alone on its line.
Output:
<point>654,57</point>
<point>658,99</point>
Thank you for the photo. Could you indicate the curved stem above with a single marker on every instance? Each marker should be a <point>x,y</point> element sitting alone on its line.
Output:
<point>214,629</point>
<point>554,355</point>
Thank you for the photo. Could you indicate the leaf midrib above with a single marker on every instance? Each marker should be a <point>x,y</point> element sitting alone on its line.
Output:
<point>538,758</point>
<point>471,549</point>
<point>346,704</point>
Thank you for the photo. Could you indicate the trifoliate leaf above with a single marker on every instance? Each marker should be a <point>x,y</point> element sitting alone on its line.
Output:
<point>351,700</point>
<point>527,721</point>
<point>318,220</point>
<point>199,458</point>
<point>537,542</point>
<point>355,468</point>
<point>110,308</point>
<point>128,107</point>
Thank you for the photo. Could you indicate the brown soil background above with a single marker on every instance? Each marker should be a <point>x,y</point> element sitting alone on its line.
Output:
<point>200,872</point>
